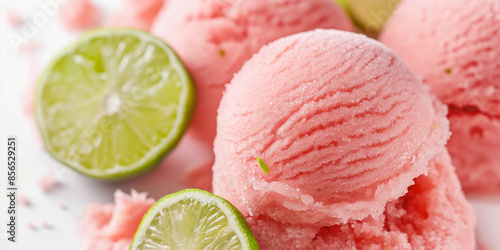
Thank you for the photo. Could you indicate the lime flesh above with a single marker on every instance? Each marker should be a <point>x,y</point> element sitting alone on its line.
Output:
<point>193,219</point>
<point>113,103</point>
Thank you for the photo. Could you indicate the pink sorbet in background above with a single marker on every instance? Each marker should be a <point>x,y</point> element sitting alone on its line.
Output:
<point>454,46</point>
<point>215,37</point>
<point>345,128</point>
<point>13,17</point>
<point>79,14</point>
<point>112,226</point>
<point>135,14</point>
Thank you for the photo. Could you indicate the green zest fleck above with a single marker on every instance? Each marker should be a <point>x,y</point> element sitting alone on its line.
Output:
<point>222,52</point>
<point>448,71</point>
<point>262,165</point>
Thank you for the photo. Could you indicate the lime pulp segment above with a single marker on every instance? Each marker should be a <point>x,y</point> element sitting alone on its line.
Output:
<point>193,219</point>
<point>113,103</point>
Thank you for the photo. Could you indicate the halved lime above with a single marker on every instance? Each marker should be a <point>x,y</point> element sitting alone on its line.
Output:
<point>113,103</point>
<point>193,219</point>
<point>369,15</point>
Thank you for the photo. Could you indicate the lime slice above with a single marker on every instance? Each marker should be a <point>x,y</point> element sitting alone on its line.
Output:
<point>193,219</point>
<point>371,15</point>
<point>113,103</point>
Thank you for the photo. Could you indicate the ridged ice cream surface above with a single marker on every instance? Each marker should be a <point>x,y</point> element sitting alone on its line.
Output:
<point>341,122</point>
<point>434,214</point>
<point>454,47</point>
<point>215,37</point>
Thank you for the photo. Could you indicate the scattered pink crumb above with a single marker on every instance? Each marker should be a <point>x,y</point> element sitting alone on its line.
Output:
<point>79,14</point>
<point>48,181</point>
<point>46,225</point>
<point>136,14</point>
<point>63,207</point>
<point>32,226</point>
<point>112,226</point>
<point>13,17</point>
<point>22,199</point>
<point>30,47</point>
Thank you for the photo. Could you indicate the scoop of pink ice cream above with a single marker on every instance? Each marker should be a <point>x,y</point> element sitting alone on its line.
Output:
<point>434,214</point>
<point>454,46</point>
<point>136,14</point>
<point>215,37</point>
<point>79,14</point>
<point>112,226</point>
<point>475,146</point>
<point>341,122</point>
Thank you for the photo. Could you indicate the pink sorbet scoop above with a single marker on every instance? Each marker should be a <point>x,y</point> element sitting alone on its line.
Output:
<point>434,214</point>
<point>138,14</point>
<point>343,126</point>
<point>454,46</point>
<point>112,226</point>
<point>215,37</point>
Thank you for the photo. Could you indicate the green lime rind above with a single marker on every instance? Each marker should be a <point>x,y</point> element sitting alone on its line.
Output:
<point>160,213</point>
<point>168,140</point>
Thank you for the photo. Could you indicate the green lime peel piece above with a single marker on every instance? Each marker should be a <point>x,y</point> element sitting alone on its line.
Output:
<point>263,165</point>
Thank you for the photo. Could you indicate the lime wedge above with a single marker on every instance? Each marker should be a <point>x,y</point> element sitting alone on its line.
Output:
<point>113,103</point>
<point>193,219</point>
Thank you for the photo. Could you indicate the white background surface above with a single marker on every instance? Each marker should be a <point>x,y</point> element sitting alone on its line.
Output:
<point>76,191</point>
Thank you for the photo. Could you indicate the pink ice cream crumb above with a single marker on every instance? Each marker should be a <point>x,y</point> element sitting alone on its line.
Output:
<point>29,47</point>
<point>112,226</point>
<point>22,199</point>
<point>63,207</point>
<point>47,182</point>
<point>13,17</point>
<point>136,14</point>
<point>32,226</point>
<point>46,225</point>
<point>79,14</point>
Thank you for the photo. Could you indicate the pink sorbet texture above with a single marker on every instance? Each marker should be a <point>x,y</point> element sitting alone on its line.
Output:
<point>348,134</point>
<point>112,226</point>
<point>215,37</point>
<point>454,46</point>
